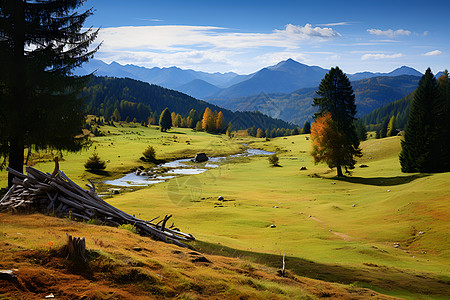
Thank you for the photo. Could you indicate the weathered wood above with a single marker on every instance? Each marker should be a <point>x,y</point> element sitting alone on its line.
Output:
<point>8,193</point>
<point>77,248</point>
<point>48,192</point>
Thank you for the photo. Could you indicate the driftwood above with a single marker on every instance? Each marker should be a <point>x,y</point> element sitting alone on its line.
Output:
<point>58,195</point>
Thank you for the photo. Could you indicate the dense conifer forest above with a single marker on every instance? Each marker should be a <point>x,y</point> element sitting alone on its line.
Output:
<point>124,98</point>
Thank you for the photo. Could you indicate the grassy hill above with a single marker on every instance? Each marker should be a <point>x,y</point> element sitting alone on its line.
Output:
<point>342,231</point>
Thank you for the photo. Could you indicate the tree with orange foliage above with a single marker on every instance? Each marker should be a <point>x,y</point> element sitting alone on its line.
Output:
<point>220,122</point>
<point>208,121</point>
<point>327,143</point>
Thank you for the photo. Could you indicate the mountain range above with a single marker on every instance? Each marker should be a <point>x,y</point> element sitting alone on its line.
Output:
<point>296,107</point>
<point>285,77</point>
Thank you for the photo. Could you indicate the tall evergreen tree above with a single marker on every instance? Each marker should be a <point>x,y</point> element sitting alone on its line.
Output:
<point>336,97</point>
<point>420,148</point>
<point>41,43</point>
<point>444,91</point>
<point>165,120</point>
<point>390,129</point>
<point>306,128</point>
<point>361,130</point>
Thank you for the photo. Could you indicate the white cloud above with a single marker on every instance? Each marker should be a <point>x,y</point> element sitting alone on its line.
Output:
<point>204,47</point>
<point>336,24</point>
<point>433,53</point>
<point>389,33</point>
<point>307,32</point>
<point>207,61</point>
<point>380,56</point>
<point>178,38</point>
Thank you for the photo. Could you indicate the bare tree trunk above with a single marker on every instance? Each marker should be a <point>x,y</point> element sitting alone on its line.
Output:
<point>339,171</point>
<point>16,149</point>
<point>16,135</point>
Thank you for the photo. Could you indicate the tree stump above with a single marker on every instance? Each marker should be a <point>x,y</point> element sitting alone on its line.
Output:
<point>77,248</point>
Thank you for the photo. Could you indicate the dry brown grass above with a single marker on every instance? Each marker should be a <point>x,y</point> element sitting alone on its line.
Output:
<point>122,265</point>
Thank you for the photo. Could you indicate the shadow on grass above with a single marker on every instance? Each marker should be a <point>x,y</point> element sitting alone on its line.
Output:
<point>382,181</point>
<point>376,277</point>
<point>175,132</point>
<point>99,172</point>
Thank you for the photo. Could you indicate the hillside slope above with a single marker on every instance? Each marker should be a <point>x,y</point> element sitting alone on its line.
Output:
<point>122,265</point>
<point>104,94</point>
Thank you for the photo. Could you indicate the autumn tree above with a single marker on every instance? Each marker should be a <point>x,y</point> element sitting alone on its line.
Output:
<point>259,133</point>
<point>328,143</point>
<point>165,120</point>
<point>41,42</point>
<point>220,122</point>
<point>337,101</point>
<point>208,121</point>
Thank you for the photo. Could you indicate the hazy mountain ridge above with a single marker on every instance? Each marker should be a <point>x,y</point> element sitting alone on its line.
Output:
<point>285,77</point>
<point>172,77</point>
<point>296,107</point>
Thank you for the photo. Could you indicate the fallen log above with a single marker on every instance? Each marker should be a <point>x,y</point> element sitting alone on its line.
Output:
<point>55,193</point>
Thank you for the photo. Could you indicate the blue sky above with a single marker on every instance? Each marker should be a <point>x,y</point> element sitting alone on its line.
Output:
<point>245,36</point>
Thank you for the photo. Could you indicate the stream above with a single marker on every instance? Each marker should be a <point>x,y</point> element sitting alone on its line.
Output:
<point>178,167</point>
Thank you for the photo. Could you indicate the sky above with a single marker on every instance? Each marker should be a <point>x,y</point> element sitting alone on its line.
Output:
<point>245,36</point>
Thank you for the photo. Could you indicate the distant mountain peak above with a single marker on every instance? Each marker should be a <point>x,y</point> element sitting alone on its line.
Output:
<point>405,70</point>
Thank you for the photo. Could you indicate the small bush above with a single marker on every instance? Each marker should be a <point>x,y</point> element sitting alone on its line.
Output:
<point>149,154</point>
<point>273,160</point>
<point>94,163</point>
<point>129,227</point>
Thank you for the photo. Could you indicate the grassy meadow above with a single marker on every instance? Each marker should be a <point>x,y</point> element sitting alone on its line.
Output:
<point>342,230</point>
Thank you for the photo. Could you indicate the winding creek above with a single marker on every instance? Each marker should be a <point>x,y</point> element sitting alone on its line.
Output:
<point>177,168</point>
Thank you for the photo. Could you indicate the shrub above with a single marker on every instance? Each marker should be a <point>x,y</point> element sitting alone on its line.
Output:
<point>273,160</point>
<point>149,153</point>
<point>94,163</point>
<point>129,227</point>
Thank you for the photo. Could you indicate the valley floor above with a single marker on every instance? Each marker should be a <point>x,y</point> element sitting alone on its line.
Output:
<point>379,228</point>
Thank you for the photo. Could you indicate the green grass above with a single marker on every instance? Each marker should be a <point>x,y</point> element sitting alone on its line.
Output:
<point>354,221</point>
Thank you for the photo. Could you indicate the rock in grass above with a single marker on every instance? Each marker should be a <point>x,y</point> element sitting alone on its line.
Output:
<point>7,274</point>
<point>272,226</point>
<point>200,157</point>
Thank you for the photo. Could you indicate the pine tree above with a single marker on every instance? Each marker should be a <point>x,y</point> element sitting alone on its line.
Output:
<point>41,43</point>
<point>116,115</point>
<point>306,128</point>
<point>383,128</point>
<point>420,148</point>
<point>336,97</point>
<point>198,126</point>
<point>390,130</point>
<point>165,120</point>
<point>444,91</point>
<point>361,130</point>
<point>178,120</point>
